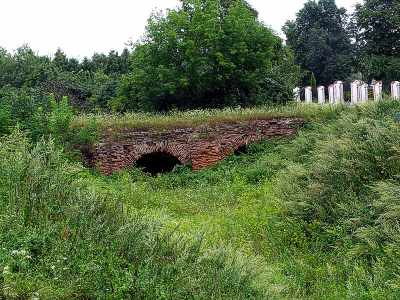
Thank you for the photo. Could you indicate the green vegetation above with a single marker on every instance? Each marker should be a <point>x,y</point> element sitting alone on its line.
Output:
<point>321,41</point>
<point>312,217</point>
<point>181,119</point>
<point>26,79</point>
<point>207,54</point>
<point>204,54</point>
<point>378,39</point>
<point>334,45</point>
<point>63,238</point>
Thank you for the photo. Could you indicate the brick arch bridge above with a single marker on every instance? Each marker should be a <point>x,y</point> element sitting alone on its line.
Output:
<point>200,147</point>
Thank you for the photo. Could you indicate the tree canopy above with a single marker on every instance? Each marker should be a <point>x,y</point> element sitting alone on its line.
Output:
<point>212,53</point>
<point>378,37</point>
<point>207,54</point>
<point>321,41</point>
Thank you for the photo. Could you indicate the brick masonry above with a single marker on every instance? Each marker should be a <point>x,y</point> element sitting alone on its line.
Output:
<point>201,147</point>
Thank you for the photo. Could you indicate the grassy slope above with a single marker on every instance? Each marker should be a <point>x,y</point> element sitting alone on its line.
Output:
<point>229,204</point>
<point>235,205</point>
<point>257,207</point>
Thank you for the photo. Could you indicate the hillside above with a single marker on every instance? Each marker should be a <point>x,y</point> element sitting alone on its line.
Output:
<point>305,217</point>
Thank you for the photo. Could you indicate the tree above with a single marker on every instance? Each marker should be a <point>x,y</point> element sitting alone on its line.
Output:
<point>23,68</point>
<point>64,63</point>
<point>321,41</point>
<point>197,56</point>
<point>224,7</point>
<point>378,39</point>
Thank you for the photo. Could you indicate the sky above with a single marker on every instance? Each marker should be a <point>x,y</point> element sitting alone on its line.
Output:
<point>83,27</point>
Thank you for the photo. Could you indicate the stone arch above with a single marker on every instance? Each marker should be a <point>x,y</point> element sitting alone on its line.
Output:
<point>157,162</point>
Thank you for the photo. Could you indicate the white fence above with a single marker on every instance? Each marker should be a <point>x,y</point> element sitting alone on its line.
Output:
<point>395,90</point>
<point>359,92</point>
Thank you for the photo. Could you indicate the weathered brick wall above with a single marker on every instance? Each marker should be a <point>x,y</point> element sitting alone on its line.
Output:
<point>201,147</point>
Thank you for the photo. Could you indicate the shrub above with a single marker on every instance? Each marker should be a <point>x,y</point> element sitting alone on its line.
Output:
<point>59,118</point>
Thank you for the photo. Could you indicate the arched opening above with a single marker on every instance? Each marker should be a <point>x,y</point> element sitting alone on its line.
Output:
<point>244,149</point>
<point>157,163</point>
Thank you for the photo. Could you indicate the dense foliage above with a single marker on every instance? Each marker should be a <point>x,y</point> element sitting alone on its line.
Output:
<point>378,37</point>
<point>321,42</point>
<point>206,54</point>
<point>341,197</point>
<point>330,44</point>
<point>89,84</point>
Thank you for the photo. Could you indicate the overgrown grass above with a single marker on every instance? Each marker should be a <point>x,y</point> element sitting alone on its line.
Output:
<point>63,239</point>
<point>179,119</point>
<point>314,217</point>
<point>309,209</point>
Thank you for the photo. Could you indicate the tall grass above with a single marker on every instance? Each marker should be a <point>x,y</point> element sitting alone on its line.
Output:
<point>193,118</point>
<point>63,239</point>
<point>319,211</point>
<point>337,202</point>
<point>314,217</point>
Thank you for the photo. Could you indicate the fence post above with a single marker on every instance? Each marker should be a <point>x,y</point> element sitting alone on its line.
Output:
<point>308,94</point>
<point>321,95</point>
<point>331,94</point>
<point>355,92</point>
<point>338,92</point>
<point>296,94</point>
<point>395,88</point>
<point>377,88</point>
<point>364,92</point>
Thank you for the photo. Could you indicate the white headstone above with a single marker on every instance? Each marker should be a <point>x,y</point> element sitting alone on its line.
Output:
<point>377,88</point>
<point>395,87</point>
<point>296,94</point>
<point>308,94</point>
<point>331,92</point>
<point>321,95</point>
<point>363,93</point>
<point>338,92</point>
<point>355,91</point>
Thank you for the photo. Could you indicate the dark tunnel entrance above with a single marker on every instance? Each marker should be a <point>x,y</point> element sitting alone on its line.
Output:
<point>244,149</point>
<point>157,162</point>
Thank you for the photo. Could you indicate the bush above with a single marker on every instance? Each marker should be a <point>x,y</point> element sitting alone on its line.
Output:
<point>59,118</point>
<point>26,108</point>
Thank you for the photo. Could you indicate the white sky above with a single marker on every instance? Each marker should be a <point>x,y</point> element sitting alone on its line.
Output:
<point>82,27</point>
